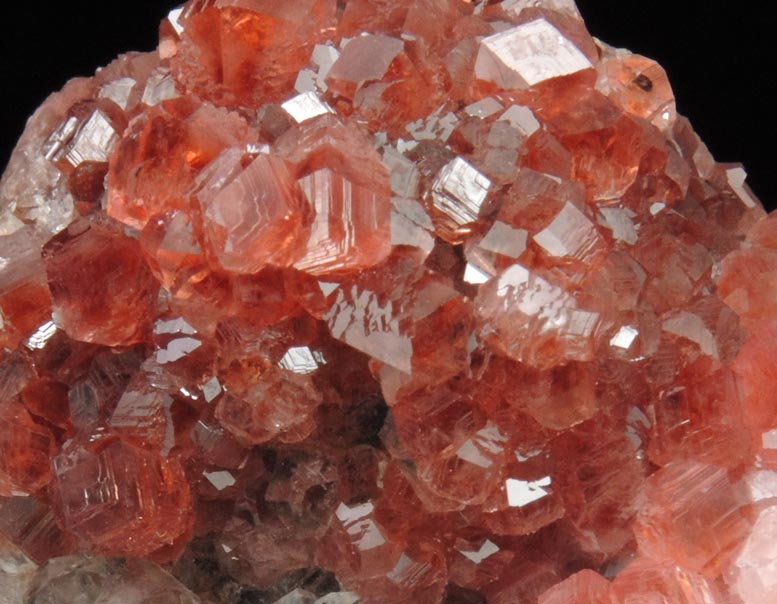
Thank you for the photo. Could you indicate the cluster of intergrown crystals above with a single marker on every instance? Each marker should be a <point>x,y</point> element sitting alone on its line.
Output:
<point>383,301</point>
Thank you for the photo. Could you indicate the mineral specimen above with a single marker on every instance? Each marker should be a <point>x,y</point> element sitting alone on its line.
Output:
<point>409,301</point>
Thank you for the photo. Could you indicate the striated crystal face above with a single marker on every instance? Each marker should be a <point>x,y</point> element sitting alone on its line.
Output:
<point>383,302</point>
<point>528,54</point>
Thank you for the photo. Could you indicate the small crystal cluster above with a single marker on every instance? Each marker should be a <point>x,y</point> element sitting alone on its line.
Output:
<point>383,301</point>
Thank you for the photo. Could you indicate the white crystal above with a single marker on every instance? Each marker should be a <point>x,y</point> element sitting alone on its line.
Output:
<point>179,325</point>
<point>360,526</point>
<point>521,118</point>
<point>736,179</point>
<point>408,572</point>
<point>306,81</point>
<point>459,191</point>
<point>524,457</point>
<point>298,596</point>
<point>505,240</point>
<point>434,127</point>
<point>624,338</point>
<point>159,87</point>
<point>753,573</point>
<point>481,448</point>
<point>657,208</point>
<point>372,325</point>
<point>42,335</point>
<point>118,91</point>
<point>306,106</point>
<point>59,138</point>
<point>488,549</point>
<point>526,55</point>
<point>570,234</point>
<point>484,108</point>
<point>324,56</point>
<point>366,58</point>
<point>769,439</point>
<point>211,389</point>
<point>177,349</point>
<point>620,222</point>
<point>475,275</point>
<point>514,7</point>
<point>761,485</point>
<point>300,359</point>
<point>174,17</point>
<point>690,326</point>
<point>404,175</point>
<point>521,493</point>
<point>339,597</point>
<point>91,141</point>
<point>16,573</point>
<point>220,480</point>
<point>411,225</point>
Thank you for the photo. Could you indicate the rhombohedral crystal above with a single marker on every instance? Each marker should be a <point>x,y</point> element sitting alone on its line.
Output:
<point>391,302</point>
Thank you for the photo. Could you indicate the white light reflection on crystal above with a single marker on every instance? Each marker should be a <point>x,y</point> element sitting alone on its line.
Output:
<point>505,240</point>
<point>220,480</point>
<point>302,360</point>
<point>483,446</point>
<point>521,118</point>
<point>569,234</point>
<point>474,275</point>
<point>488,549</point>
<point>176,350</point>
<point>339,597</point>
<point>521,493</point>
<point>305,106</point>
<point>174,17</point>
<point>211,389</point>
<point>484,108</point>
<point>359,525</point>
<point>625,337</point>
<point>657,208</point>
<point>174,326</point>
<point>42,335</point>
<point>620,222</point>
<point>526,55</point>
<point>118,91</point>
<point>524,457</point>
<point>93,142</point>
<point>159,87</point>
<point>459,191</point>
<point>690,326</point>
<point>736,179</point>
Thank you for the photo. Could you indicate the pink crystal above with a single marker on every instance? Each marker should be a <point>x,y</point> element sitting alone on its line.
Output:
<point>423,302</point>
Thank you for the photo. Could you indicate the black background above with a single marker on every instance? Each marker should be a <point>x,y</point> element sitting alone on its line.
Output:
<point>721,61</point>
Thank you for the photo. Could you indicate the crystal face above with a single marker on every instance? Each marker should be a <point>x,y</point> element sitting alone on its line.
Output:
<point>383,302</point>
<point>528,54</point>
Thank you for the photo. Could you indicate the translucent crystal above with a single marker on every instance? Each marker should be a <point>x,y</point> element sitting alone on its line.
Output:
<point>570,234</point>
<point>251,214</point>
<point>527,55</point>
<point>459,193</point>
<point>383,302</point>
<point>305,106</point>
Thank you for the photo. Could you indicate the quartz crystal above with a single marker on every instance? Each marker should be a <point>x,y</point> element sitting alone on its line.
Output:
<point>383,302</point>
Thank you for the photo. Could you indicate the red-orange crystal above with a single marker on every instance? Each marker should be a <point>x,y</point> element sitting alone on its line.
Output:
<point>392,302</point>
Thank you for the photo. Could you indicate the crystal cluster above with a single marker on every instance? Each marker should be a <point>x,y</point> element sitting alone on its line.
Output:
<point>383,301</point>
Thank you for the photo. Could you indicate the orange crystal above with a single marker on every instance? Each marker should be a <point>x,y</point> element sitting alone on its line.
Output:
<point>423,302</point>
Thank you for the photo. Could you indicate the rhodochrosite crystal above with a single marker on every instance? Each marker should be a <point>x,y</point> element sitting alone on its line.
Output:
<point>408,301</point>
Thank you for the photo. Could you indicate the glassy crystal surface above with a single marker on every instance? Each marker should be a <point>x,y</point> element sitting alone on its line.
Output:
<point>383,302</point>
